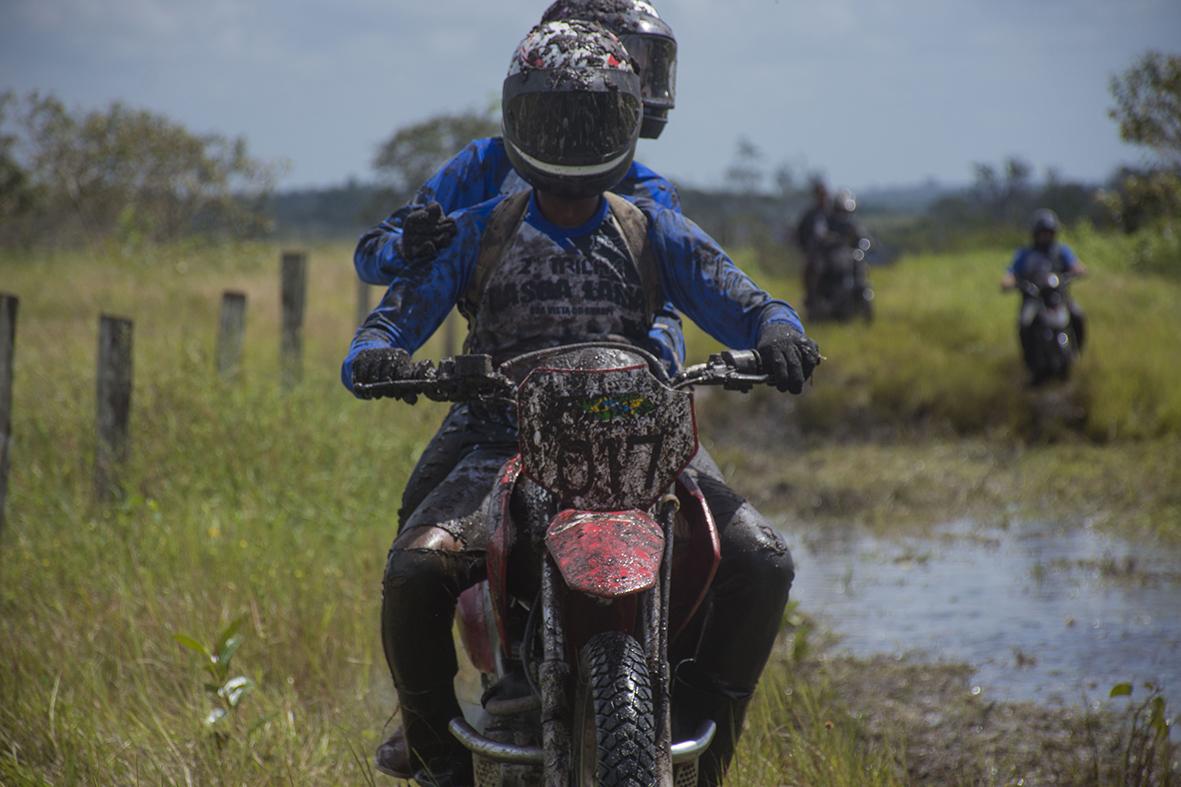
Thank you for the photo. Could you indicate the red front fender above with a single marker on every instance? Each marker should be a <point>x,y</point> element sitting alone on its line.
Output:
<point>606,554</point>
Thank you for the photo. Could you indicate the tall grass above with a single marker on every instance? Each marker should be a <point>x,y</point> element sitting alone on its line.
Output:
<point>943,351</point>
<point>243,499</point>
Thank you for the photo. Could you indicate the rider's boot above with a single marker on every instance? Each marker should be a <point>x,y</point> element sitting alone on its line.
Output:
<point>697,697</point>
<point>393,756</point>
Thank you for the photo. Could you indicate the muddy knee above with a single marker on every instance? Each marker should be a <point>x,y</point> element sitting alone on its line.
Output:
<point>757,553</point>
<point>423,558</point>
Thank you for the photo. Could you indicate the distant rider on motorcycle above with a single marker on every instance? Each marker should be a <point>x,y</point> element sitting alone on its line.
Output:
<point>565,273</point>
<point>836,279</point>
<point>811,227</point>
<point>1032,264</point>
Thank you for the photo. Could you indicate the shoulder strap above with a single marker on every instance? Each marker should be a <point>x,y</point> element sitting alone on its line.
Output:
<point>501,229</point>
<point>633,222</point>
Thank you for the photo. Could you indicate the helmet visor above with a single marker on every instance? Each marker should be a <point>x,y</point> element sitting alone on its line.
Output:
<point>559,129</point>
<point>656,59</point>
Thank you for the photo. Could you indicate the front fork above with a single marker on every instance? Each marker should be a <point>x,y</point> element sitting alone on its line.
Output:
<point>554,671</point>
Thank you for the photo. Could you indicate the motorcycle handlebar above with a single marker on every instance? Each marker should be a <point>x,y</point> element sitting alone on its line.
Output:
<point>468,377</point>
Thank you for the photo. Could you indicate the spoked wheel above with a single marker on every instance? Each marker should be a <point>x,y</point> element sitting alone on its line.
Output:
<point>614,718</point>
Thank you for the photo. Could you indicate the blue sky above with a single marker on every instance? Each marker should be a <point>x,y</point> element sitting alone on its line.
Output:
<point>872,92</point>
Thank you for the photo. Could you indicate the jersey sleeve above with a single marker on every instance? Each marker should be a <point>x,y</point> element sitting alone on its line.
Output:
<point>420,296</point>
<point>1068,257</point>
<point>470,178</point>
<point>643,182</point>
<point>701,280</point>
<point>1017,263</point>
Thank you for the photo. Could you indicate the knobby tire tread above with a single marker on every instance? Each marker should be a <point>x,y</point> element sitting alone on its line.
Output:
<point>615,671</point>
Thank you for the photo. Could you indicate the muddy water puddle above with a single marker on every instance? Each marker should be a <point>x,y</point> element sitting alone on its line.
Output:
<point>1040,612</point>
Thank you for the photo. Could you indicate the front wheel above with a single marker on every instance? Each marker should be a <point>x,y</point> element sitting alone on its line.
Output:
<point>614,717</point>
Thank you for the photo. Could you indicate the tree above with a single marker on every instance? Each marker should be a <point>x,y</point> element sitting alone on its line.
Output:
<point>1148,110</point>
<point>745,173</point>
<point>1148,104</point>
<point>123,172</point>
<point>413,153</point>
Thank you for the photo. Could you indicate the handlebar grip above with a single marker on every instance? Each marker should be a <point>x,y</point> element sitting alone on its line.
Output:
<point>744,361</point>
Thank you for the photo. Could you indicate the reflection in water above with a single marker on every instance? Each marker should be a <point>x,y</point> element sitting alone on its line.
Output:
<point>1041,613</point>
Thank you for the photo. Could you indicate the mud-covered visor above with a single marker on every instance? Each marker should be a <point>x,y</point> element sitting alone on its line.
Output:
<point>556,123</point>
<point>656,59</point>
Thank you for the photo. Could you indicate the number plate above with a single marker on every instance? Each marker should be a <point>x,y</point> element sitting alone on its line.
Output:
<point>604,440</point>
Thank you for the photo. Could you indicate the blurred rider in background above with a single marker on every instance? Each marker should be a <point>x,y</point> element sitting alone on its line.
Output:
<point>1045,255</point>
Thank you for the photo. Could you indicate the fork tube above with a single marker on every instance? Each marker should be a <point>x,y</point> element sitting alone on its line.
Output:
<point>554,677</point>
<point>668,509</point>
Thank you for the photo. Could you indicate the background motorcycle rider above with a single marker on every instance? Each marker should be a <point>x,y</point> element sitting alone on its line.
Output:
<point>1032,263</point>
<point>572,113</point>
<point>811,226</point>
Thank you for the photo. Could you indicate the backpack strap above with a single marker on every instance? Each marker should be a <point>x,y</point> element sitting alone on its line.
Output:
<point>633,223</point>
<point>498,234</point>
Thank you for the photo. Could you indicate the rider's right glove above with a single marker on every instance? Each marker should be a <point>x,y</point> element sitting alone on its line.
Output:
<point>425,231</point>
<point>788,356</point>
<point>383,365</point>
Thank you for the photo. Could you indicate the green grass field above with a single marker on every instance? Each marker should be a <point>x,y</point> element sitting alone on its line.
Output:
<point>243,500</point>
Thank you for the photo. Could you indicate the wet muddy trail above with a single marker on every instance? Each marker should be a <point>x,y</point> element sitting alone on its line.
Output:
<point>1040,613</point>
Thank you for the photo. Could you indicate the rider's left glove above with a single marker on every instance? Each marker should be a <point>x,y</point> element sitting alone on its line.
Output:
<point>383,365</point>
<point>788,356</point>
<point>425,231</point>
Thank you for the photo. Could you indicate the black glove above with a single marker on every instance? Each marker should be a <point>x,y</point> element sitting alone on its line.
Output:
<point>424,232</point>
<point>383,365</point>
<point>788,356</point>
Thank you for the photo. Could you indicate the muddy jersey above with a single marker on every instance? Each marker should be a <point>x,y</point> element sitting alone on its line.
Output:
<point>478,173</point>
<point>482,171</point>
<point>556,284</point>
<point>560,287</point>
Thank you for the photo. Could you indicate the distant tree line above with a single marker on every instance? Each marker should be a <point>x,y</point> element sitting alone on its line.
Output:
<point>69,176</point>
<point>127,174</point>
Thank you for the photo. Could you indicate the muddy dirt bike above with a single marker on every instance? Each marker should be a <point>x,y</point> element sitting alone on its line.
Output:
<point>602,550</point>
<point>842,290</point>
<point>1054,346</point>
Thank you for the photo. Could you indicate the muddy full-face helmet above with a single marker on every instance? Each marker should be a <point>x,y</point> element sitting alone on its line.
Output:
<point>648,39</point>
<point>571,109</point>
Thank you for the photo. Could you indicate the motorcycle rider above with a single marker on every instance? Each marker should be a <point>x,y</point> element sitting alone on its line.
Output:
<point>811,227</point>
<point>842,224</point>
<point>483,170</point>
<point>1045,255</point>
<point>572,115</point>
<point>831,232</point>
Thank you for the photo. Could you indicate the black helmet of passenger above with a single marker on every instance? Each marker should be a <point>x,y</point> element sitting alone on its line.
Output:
<point>844,201</point>
<point>1045,220</point>
<point>648,39</point>
<point>571,108</point>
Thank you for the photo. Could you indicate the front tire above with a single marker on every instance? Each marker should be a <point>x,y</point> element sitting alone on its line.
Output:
<point>614,717</point>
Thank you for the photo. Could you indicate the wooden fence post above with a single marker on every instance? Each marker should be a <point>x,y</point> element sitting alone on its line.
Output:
<point>8,306</point>
<point>230,330</point>
<point>363,307</point>
<point>114,404</point>
<point>293,291</point>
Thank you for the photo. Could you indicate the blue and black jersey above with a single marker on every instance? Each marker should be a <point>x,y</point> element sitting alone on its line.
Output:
<point>560,285</point>
<point>482,171</point>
